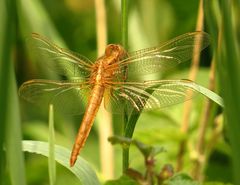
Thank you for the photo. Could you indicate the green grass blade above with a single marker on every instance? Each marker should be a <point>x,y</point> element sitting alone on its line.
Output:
<point>34,18</point>
<point>4,68</point>
<point>51,158</point>
<point>5,47</point>
<point>208,93</point>
<point>130,126</point>
<point>227,48</point>
<point>82,169</point>
<point>10,130</point>
<point>13,141</point>
<point>229,67</point>
<point>14,154</point>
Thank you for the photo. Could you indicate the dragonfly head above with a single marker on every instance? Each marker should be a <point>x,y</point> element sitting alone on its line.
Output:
<point>115,51</point>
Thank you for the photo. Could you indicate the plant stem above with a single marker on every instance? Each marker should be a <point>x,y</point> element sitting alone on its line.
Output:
<point>199,163</point>
<point>192,76</point>
<point>128,132</point>
<point>51,141</point>
<point>101,26</point>
<point>124,23</point>
<point>124,31</point>
<point>105,119</point>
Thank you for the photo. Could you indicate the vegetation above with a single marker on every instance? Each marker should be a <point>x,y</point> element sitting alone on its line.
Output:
<point>187,144</point>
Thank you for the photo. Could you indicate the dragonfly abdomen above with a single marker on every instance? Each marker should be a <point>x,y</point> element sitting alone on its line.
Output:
<point>94,103</point>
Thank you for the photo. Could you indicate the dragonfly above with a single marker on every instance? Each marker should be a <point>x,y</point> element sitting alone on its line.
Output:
<point>106,80</point>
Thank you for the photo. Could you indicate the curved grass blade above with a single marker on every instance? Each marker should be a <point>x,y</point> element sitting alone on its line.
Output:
<point>131,123</point>
<point>209,94</point>
<point>82,168</point>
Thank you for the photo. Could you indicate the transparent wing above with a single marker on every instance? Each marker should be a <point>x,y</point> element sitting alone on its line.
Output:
<point>67,96</point>
<point>148,95</point>
<point>164,57</point>
<point>60,60</point>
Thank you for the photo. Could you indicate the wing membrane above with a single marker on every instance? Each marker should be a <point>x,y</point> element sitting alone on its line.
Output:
<point>149,95</point>
<point>166,56</point>
<point>60,60</point>
<point>67,96</point>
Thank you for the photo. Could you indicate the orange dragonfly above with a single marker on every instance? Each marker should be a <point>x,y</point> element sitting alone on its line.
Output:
<point>107,78</point>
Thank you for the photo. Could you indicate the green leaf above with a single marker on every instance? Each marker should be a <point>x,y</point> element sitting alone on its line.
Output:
<point>123,180</point>
<point>82,168</point>
<point>216,183</point>
<point>146,150</point>
<point>181,179</point>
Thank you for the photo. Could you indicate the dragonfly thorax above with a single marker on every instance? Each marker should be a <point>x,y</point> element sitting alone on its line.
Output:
<point>105,67</point>
<point>114,53</point>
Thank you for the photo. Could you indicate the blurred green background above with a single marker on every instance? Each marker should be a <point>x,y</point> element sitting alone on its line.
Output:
<point>71,24</point>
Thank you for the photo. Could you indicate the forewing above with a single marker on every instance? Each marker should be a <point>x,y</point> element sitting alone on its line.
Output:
<point>149,95</point>
<point>62,61</point>
<point>68,97</point>
<point>166,56</point>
